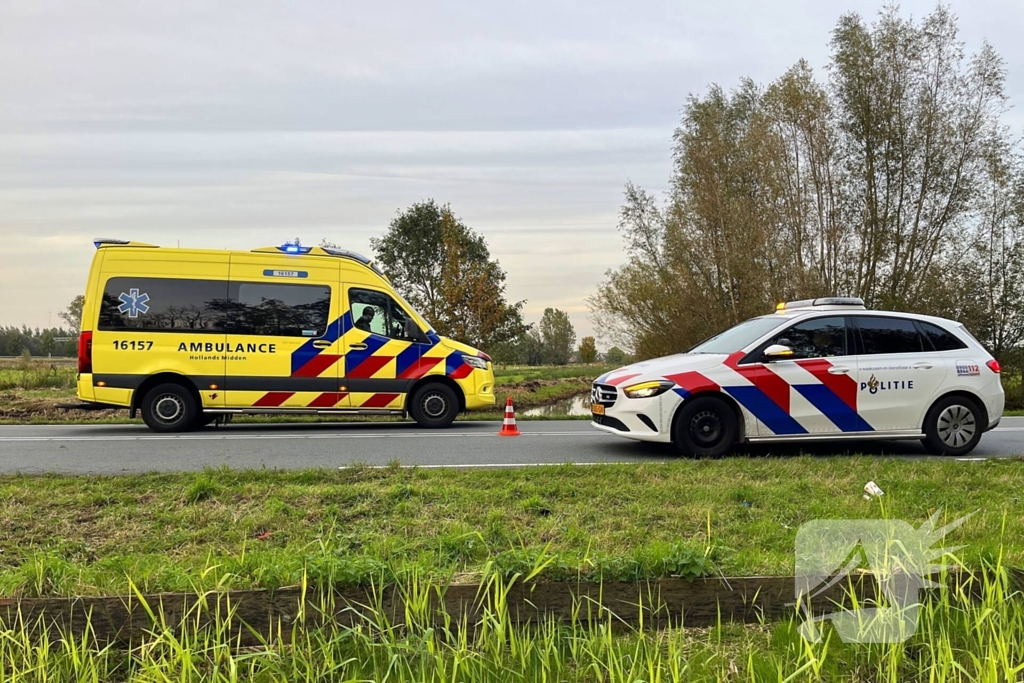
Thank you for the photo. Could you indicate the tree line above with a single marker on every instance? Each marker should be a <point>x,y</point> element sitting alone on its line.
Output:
<point>892,179</point>
<point>16,341</point>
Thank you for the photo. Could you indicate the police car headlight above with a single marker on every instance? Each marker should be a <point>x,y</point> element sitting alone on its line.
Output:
<point>647,389</point>
<point>475,362</point>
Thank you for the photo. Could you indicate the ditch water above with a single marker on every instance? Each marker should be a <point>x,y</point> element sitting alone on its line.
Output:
<point>577,405</point>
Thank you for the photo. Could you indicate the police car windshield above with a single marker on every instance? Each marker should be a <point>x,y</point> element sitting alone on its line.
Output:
<point>740,336</point>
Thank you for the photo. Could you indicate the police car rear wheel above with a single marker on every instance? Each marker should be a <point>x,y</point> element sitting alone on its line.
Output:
<point>434,406</point>
<point>953,426</point>
<point>169,408</point>
<point>706,427</point>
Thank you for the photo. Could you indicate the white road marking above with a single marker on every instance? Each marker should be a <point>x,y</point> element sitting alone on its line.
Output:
<point>250,437</point>
<point>500,464</point>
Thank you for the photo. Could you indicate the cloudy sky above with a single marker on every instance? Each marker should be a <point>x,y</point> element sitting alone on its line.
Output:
<point>244,124</point>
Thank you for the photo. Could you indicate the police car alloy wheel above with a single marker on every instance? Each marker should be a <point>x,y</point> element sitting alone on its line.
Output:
<point>953,426</point>
<point>169,408</point>
<point>705,426</point>
<point>434,405</point>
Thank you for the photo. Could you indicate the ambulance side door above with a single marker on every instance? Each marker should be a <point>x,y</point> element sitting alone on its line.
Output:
<point>283,332</point>
<point>381,364</point>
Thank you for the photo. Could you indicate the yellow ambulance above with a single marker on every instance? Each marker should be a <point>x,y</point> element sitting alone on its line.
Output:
<point>184,336</point>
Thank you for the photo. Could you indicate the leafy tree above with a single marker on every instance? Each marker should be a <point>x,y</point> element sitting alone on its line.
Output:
<point>444,269</point>
<point>557,336</point>
<point>72,315</point>
<point>588,350</point>
<point>526,349</point>
<point>883,182</point>
<point>615,355</point>
<point>46,342</point>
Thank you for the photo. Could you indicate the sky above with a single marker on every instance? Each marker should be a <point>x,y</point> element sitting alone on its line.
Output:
<point>244,124</point>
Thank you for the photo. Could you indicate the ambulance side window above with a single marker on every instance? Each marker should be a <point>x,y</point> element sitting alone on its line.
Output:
<point>377,313</point>
<point>162,304</point>
<point>278,310</point>
<point>815,338</point>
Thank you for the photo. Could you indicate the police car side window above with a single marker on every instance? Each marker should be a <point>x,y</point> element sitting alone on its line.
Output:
<point>815,338</point>
<point>940,339</point>
<point>880,335</point>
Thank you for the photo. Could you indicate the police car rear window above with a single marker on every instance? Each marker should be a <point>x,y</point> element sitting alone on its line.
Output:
<point>940,339</point>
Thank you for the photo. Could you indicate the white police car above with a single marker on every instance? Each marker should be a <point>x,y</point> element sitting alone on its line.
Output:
<point>814,370</point>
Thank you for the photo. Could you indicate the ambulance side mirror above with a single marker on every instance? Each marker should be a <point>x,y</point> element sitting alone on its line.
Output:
<point>777,352</point>
<point>413,332</point>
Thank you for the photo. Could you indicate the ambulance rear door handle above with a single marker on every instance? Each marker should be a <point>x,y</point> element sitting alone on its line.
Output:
<point>357,346</point>
<point>838,370</point>
<point>322,344</point>
<point>922,366</point>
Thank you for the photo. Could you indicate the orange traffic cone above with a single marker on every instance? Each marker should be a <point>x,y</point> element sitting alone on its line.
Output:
<point>508,427</point>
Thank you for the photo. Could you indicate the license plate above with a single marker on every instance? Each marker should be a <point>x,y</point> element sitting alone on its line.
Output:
<point>597,409</point>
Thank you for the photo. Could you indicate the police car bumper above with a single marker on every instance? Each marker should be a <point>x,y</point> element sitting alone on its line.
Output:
<point>639,419</point>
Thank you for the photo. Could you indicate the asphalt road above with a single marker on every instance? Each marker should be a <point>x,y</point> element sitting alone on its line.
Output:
<point>122,449</point>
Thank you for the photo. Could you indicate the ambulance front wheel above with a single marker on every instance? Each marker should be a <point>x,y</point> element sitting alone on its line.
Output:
<point>169,408</point>
<point>434,406</point>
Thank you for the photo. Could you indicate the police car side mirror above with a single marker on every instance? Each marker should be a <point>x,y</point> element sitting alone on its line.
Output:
<point>777,352</point>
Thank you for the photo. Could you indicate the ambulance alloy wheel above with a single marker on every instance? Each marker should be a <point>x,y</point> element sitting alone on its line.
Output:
<point>705,426</point>
<point>434,405</point>
<point>169,408</point>
<point>953,426</point>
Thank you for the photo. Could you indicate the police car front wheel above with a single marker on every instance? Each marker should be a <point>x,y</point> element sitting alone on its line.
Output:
<point>169,408</point>
<point>705,426</point>
<point>953,426</point>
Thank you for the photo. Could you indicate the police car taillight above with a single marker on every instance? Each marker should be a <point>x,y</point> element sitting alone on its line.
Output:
<point>993,365</point>
<point>85,352</point>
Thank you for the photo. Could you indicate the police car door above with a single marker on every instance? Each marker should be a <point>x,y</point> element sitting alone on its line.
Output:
<point>283,333</point>
<point>897,378</point>
<point>380,363</point>
<point>813,391</point>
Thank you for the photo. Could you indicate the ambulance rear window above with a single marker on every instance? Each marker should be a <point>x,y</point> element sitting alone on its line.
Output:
<point>154,303</point>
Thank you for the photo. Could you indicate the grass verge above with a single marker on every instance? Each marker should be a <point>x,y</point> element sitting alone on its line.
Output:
<point>244,529</point>
<point>956,636</point>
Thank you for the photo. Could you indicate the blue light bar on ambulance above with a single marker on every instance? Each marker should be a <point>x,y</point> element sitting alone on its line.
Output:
<point>294,249</point>
<point>107,240</point>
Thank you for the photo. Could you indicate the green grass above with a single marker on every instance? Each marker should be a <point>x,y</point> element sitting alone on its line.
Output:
<point>86,535</point>
<point>958,638</point>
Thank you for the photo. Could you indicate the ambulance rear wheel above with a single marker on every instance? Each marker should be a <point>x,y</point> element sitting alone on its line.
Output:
<point>434,406</point>
<point>705,427</point>
<point>169,408</point>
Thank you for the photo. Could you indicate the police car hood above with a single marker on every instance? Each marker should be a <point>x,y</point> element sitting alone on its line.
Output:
<point>657,368</point>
